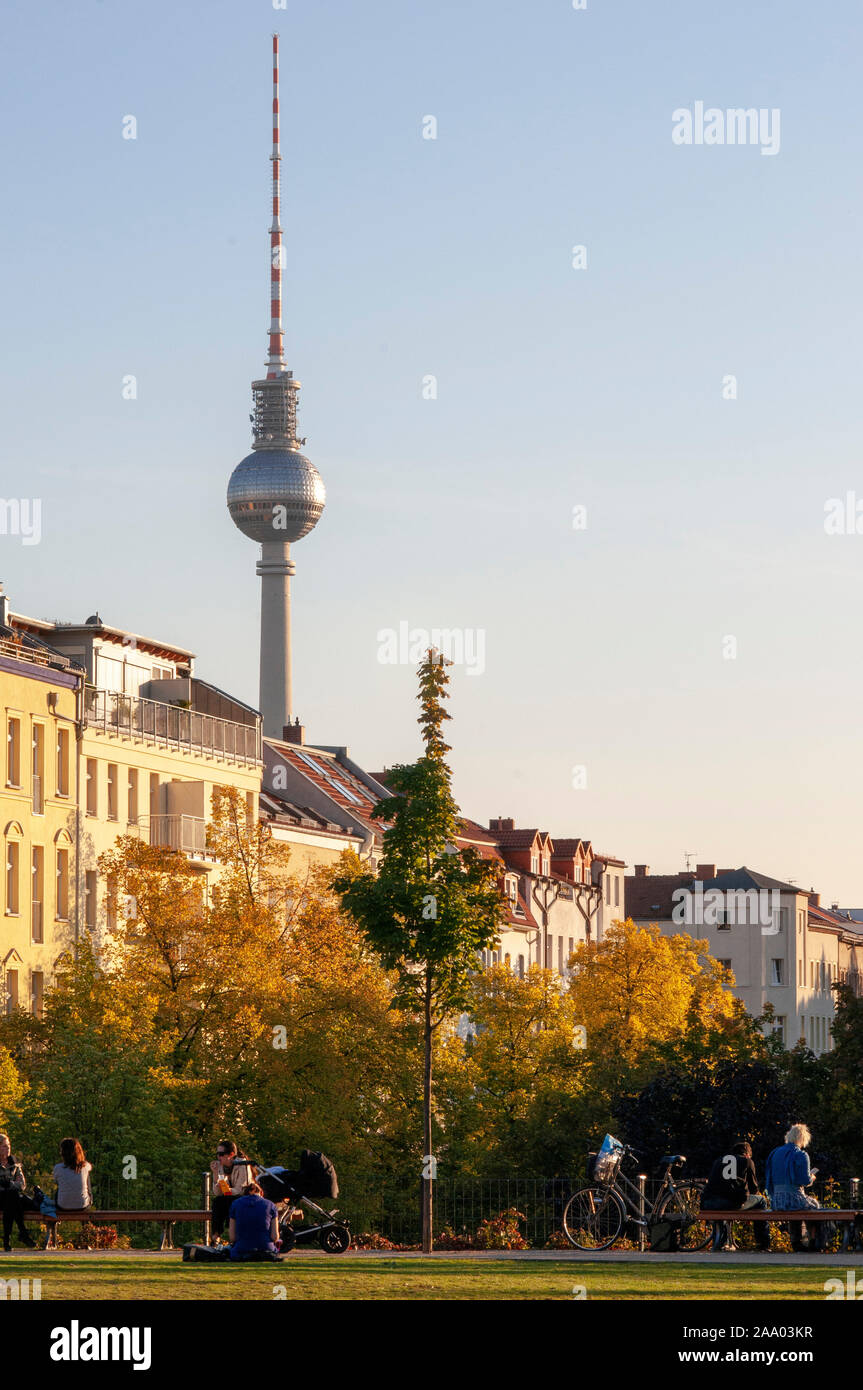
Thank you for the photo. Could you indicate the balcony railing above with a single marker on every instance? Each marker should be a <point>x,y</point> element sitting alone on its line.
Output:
<point>188,834</point>
<point>172,726</point>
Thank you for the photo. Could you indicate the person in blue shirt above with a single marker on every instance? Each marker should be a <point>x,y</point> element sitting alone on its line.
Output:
<point>787,1175</point>
<point>254,1225</point>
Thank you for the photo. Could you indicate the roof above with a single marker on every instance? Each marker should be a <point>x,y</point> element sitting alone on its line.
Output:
<point>518,839</point>
<point>164,649</point>
<point>563,848</point>
<point>327,774</point>
<point>651,894</point>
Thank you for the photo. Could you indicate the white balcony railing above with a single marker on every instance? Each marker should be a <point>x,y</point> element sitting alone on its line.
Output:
<point>186,834</point>
<point>171,726</point>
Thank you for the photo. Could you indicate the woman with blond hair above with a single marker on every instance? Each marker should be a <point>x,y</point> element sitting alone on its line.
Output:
<point>787,1175</point>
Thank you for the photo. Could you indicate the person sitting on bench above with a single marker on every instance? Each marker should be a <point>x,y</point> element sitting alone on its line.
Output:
<point>72,1177</point>
<point>14,1199</point>
<point>254,1225</point>
<point>231,1175</point>
<point>733,1186</point>
<point>788,1175</point>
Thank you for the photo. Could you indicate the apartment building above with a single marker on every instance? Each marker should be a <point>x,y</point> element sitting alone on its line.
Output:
<point>39,701</point>
<point>782,947</point>
<point>147,742</point>
<point>558,893</point>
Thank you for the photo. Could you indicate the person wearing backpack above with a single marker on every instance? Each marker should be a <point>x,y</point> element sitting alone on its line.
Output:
<point>13,1198</point>
<point>733,1186</point>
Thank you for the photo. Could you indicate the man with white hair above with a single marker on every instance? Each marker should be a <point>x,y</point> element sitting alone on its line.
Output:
<point>787,1176</point>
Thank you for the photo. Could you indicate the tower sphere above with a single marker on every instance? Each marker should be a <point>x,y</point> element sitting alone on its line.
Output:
<point>276,495</point>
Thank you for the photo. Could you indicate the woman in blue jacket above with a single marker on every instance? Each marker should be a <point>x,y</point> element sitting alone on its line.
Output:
<point>787,1175</point>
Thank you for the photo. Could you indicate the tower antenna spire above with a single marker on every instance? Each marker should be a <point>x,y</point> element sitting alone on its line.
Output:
<point>276,358</point>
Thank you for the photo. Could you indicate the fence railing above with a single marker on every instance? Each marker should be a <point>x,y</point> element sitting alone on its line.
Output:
<point>171,725</point>
<point>391,1206</point>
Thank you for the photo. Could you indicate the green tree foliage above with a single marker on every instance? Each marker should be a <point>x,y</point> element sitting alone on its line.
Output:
<point>430,909</point>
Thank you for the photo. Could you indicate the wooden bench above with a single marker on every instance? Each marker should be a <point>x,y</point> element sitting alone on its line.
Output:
<point>98,1217</point>
<point>850,1218</point>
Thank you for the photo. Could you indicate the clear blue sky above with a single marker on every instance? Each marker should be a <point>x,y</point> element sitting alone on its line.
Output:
<point>555,386</point>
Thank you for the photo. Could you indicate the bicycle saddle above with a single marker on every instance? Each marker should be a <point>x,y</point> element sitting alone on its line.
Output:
<point>677,1160</point>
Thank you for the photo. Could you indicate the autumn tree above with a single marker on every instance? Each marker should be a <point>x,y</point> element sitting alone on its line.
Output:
<point>430,909</point>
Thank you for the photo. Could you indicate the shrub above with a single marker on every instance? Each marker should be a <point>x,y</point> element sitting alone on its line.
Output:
<point>501,1232</point>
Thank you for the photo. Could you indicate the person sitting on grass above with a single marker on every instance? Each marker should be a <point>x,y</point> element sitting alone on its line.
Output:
<point>254,1225</point>
<point>13,1197</point>
<point>733,1186</point>
<point>72,1177</point>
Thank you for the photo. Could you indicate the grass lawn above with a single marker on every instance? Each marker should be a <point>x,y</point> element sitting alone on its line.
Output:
<point>343,1277</point>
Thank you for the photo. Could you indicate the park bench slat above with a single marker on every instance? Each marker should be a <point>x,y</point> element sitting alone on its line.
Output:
<point>100,1216</point>
<point>801,1214</point>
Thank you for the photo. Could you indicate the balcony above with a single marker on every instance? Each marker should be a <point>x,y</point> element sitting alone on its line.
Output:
<point>172,726</point>
<point>186,834</point>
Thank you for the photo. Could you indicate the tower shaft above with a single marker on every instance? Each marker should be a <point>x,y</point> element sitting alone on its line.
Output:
<point>275,569</point>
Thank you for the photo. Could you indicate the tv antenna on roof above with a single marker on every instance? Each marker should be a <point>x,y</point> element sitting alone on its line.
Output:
<point>689,854</point>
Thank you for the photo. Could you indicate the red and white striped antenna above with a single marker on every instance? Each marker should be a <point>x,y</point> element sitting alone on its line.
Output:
<point>276,360</point>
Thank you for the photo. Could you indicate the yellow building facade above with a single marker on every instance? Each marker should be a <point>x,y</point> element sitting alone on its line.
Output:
<point>39,702</point>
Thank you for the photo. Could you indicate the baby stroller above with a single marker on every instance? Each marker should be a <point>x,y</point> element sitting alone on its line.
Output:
<point>315,1177</point>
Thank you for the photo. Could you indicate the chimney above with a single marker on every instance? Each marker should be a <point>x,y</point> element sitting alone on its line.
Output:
<point>501,824</point>
<point>642,870</point>
<point>703,871</point>
<point>294,733</point>
<point>815,898</point>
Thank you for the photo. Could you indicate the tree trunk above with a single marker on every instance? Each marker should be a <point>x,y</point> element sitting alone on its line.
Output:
<point>428,1156</point>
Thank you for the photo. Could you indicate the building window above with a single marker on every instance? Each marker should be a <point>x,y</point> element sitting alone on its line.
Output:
<point>560,955</point>
<point>546,864</point>
<point>779,1028</point>
<point>577,874</point>
<point>11,991</point>
<point>92,787</point>
<point>154,793</point>
<point>111,903</point>
<point>617,890</point>
<point>800,972</point>
<point>571,944</point>
<point>38,770</point>
<point>62,762</point>
<point>13,866</point>
<point>90,898</point>
<point>722,922</point>
<point>521,967</point>
<point>132,809</point>
<point>607,890</point>
<point>112,791</point>
<point>13,753</point>
<point>783,919</point>
<point>63,884</point>
<point>534,863</point>
<point>725,962</point>
<point>37,895</point>
<point>776,971</point>
<point>250,810</point>
<point>36,990</point>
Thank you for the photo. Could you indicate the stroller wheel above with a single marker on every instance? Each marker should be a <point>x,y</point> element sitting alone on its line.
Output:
<point>335,1240</point>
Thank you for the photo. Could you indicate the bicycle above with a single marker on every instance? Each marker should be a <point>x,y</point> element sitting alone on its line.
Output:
<point>595,1216</point>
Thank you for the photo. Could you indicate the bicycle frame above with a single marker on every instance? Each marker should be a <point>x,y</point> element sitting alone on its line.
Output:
<point>619,1185</point>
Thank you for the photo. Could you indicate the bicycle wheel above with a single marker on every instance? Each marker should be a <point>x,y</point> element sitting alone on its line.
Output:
<point>685,1200</point>
<point>593,1218</point>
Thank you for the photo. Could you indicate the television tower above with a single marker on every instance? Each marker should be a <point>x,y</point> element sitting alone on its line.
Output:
<point>275,495</point>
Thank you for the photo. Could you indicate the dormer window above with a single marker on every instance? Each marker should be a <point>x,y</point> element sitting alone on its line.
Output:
<point>534,863</point>
<point>511,887</point>
<point>546,863</point>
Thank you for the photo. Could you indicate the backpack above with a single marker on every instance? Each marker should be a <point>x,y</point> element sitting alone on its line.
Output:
<point>665,1235</point>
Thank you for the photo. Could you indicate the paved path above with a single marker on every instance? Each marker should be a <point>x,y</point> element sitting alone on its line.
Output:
<point>740,1257</point>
